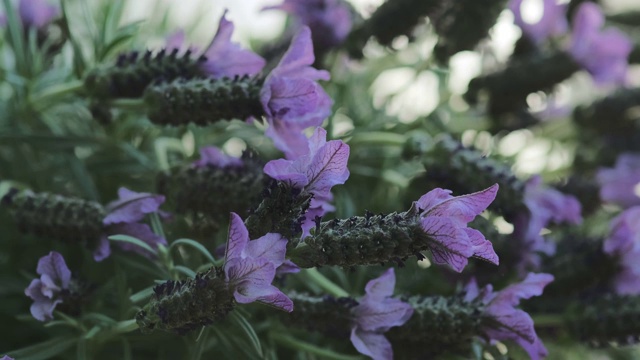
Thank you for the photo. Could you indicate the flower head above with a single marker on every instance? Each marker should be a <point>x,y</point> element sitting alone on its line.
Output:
<point>505,321</point>
<point>624,242</point>
<point>544,205</point>
<point>123,217</point>
<point>55,277</point>
<point>603,53</point>
<point>552,22</point>
<point>330,21</point>
<point>445,217</point>
<point>291,97</point>
<point>319,166</point>
<point>212,156</point>
<point>376,313</point>
<point>250,266</point>
<point>37,13</point>
<point>618,185</point>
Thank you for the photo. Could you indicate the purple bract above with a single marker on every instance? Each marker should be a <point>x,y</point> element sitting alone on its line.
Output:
<point>212,156</point>
<point>624,243</point>
<point>618,185</point>
<point>37,13</point>
<point>553,21</point>
<point>55,277</point>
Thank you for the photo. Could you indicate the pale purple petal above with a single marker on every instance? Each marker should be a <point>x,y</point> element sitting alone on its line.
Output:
<point>532,285</point>
<point>623,242</point>
<point>535,350</point>
<point>451,244</point>
<point>382,286</point>
<point>248,272</point>
<point>618,185</point>
<point>284,170</point>
<point>287,267</point>
<point>268,295</point>
<point>371,344</point>
<point>238,239</point>
<point>6,357</point>
<point>286,138</point>
<point>139,231</point>
<point>463,208</point>
<point>131,206</point>
<point>225,58</point>
<point>553,20</point>
<point>212,156</point>
<point>103,250</point>
<point>48,286</point>
<point>270,246</point>
<point>328,166</point>
<point>37,13</point>
<point>298,59</point>
<point>54,266</point>
<point>482,248</point>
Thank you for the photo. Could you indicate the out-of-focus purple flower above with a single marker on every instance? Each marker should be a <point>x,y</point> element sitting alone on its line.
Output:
<point>604,54</point>
<point>316,168</point>
<point>330,21</point>
<point>224,57</point>
<point>55,277</point>
<point>6,357</point>
<point>624,243</point>
<point>37,13</point>
<point>291,97</point>
<point>212,156</point>
<point>250,266</point>
<point>553,21</point>
<point>544,205</point>
<point>376,313</point>
<point>509,323</point>
<point>123,217</point>
<point>445,218</point>
<point>618,185</point>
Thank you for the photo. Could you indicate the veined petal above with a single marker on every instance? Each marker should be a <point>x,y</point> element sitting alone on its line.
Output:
<point>268,295</point>
<point>238,239</point>
<point>270,246</point>
<point>464,208</point>
<point>451,244</point>
<point>371,344</point>
<point>382,286</point>
<point>131,206</point>
<point>54,266</point>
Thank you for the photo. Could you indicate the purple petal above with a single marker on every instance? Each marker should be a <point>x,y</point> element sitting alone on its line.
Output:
<point>54,266</point>
<point>618,185</point>
<point>482,247</point>
<point>381,314</point>
<point>451,244</point>
<point>225,58</point>
<point>514,323</point>
<point>463,208</point>
<point>103,250</point>
<point>382,286</point>
<point>284,170</point>
<point>42,307</point>
<point>212,156</point>
<point>37,13</point>
<point>371,344</point>
<point>139,231</point>
<point>536,350</point>
<point>271,247</point>
<point>286,138</point>
<point>268,295</point>
<point>48,286</point>
<point>297,101</point>
<point>298,59</point>
<point>131,206</point>
<point>287,267</point>
<point>248,272</point>
<point>552,22</point>
<point>328,166</point>
<point>238,238</point>
<point>532,285</point>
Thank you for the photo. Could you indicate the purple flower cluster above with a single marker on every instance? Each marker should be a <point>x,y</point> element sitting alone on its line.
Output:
<point>624,243</point>
<point>318,166</point>
<point>250,266</point>
<point>445,218</point>
<point>618,185</point>
<point>330,21</point>
<point>37,13</point>
<point>603,53</point>
<point>55,277</point>
<point>123,217</point>
<point>545,205</point>
<point>511,323</point>
<point>375,314</point>
<point>552,23</point>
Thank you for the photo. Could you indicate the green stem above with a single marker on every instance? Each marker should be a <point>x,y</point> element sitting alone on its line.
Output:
<point>378,138</point>
<point>55,92</point>
<point>316,277</point>
<point>296,344</point>
<point>548,320</point>
<point>125,326</point>
<point>129,104</point>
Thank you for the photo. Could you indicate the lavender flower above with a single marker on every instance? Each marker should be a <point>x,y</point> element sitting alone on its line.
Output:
<point>211,155</point>
<point>444,218</point>
<point>123,217</point>
<point>618,185</point>
<point>6,357</point>
<point>224,58</point>
<point>544,205</point>
<point>291,97</point>
<point>623,242</point>
<point>316,168</point>
<point>55,277</point>
<point>553,20</point>
<point>330,21</point>
<point>250,266</point>
<point>376,313</point>
<point>37,13</point>
<point>507,322</point>
<point>602,53</point>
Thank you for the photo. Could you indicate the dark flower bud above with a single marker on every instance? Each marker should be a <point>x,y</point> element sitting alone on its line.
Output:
<point>204,101</point>
<point>185,305</point>
<point>133,72</point>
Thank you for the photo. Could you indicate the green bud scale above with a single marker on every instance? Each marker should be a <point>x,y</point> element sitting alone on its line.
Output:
<point>439,324</point>
<point>132,73</point>
<point>463,170</point>
<point>183,306</point>
<point>56,217</point>
<point>208,193</point>
<point>204,101</point>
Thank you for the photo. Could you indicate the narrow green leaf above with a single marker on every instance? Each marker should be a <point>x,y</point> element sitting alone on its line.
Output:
<point>141,295</point>
<point>134,241</point>
<point>43,350</point>
<point>195,245</point>
<point>185,270</point>
<point>248,329</point>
